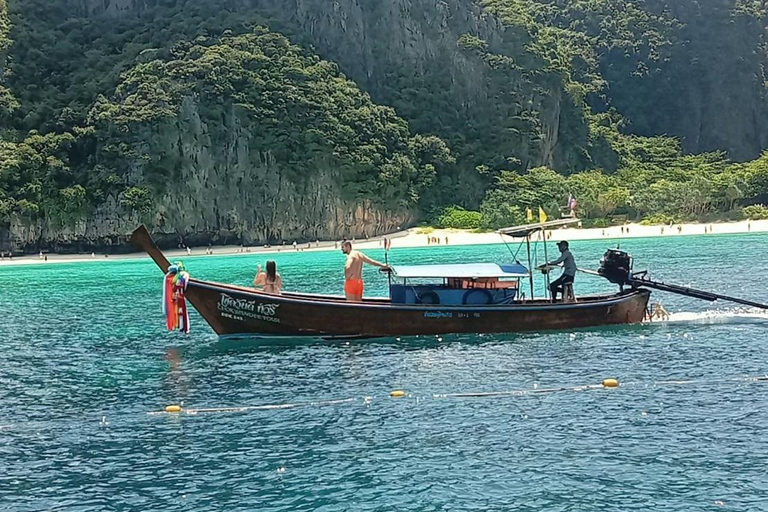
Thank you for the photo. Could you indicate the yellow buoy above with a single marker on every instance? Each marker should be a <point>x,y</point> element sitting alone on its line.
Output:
<point>397,393</point>
<point>610,383</point>
<point>173,408</point>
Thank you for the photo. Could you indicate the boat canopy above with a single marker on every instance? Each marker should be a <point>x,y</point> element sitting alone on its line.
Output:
<point>461,270</point>
<point>527,229</point>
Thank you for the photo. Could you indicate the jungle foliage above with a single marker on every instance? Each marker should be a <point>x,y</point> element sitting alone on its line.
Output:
<point>656,182</point>
<point>564,87</point>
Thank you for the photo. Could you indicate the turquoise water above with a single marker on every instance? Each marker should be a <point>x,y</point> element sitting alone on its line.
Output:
<point>85,357</point>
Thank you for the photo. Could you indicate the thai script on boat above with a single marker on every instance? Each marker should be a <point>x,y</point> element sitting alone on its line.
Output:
<point>437,314</point>
<point>237,309</point>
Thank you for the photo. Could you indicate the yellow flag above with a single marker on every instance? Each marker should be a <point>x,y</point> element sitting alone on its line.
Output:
<point>542,215</point>
<point>528,215</point>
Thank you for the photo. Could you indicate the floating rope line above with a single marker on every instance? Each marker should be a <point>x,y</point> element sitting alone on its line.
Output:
<point>605,384</point>
<point>520,392</point>
<point>175,409</point>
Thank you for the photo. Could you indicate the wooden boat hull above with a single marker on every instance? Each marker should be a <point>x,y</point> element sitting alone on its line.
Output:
<point>231,310</point>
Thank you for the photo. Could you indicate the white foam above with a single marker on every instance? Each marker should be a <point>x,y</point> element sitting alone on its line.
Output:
<point>733,316</point>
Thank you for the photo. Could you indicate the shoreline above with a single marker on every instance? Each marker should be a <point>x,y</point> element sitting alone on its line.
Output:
<point>416,237</point>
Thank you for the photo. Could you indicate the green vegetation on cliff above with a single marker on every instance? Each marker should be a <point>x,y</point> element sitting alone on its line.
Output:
<point>656,182</point>
<point>194,117</point>
<point>107,123</point>
<point>297,107</point>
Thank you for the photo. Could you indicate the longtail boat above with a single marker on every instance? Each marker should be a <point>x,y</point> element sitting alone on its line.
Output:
<point>468,298</point>
<point>472,298</point>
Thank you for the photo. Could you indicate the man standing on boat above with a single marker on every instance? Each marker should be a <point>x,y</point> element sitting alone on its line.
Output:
<point>569,269</point>
<point>353,271</point>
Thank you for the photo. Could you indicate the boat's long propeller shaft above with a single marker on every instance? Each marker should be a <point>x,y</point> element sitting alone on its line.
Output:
<point>642,280</point>
<point>616,266</point>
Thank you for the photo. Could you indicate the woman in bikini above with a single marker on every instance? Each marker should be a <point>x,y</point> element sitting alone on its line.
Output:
<point>269,281</point>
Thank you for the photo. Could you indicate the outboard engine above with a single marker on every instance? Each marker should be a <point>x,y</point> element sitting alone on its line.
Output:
<point>616,266</point>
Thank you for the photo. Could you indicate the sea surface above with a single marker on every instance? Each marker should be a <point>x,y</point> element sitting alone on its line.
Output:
<point>84,357</point>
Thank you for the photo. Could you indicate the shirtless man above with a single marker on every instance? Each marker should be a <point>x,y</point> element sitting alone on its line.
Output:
<point>353,272</point>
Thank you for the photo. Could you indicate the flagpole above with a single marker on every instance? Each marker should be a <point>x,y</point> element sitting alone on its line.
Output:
<point>530,268</point>
<point>386,262</point>
<point>543,219</point>
<point>546,259</point>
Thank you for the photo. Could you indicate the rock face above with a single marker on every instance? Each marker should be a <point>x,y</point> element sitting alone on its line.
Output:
<point>220,191</point>
<point>223,190</point>
<point>711,90</point>
<point>405,54</point>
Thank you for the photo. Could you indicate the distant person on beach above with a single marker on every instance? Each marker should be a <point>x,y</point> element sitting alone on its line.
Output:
<point>353,271</point>
<point>569,269</point>
<point>269,281</point>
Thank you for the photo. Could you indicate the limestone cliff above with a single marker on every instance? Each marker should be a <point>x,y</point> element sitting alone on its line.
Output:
<point>406,54</point>
<point>221,191</point>
<point>509,85</point>
<point>224,189</point>
<point>292,152</point>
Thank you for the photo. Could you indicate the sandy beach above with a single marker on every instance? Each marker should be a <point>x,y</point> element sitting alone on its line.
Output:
<point>416,237</point>
<point>419,237</point>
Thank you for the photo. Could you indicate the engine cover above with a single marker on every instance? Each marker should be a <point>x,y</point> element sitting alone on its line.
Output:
<point>615,266</point>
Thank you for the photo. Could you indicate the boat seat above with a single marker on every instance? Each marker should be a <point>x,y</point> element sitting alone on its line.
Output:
<point>568,295</point>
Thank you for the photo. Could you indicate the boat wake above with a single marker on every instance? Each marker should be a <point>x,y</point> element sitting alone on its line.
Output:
<point>733,316</point>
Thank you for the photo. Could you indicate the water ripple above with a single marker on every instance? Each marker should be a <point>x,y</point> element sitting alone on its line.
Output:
<point>85,358</point>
